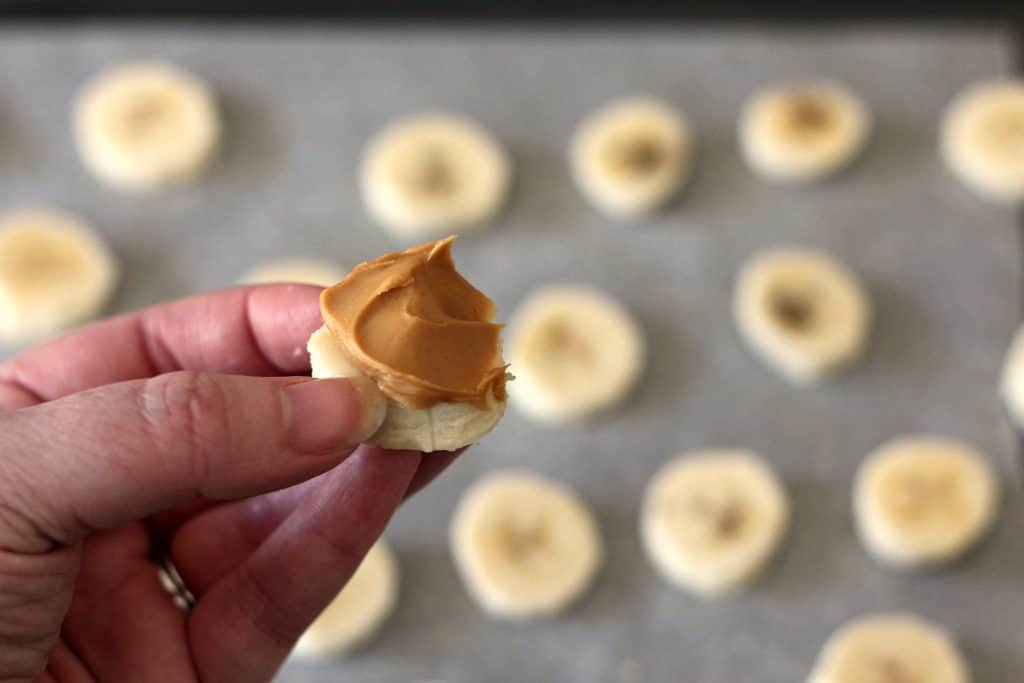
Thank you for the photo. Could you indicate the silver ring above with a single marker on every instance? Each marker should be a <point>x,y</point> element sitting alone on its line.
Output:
<point>170,579</point>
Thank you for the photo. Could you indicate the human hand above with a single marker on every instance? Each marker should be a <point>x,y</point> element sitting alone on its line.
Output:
<point>119,441</point>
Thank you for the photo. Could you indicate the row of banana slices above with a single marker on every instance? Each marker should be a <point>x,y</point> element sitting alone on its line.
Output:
<point>575,350</point>
<point>527,547</point>
<point>150,124</point>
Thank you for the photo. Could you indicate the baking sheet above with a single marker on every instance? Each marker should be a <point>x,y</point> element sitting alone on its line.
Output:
<point>943,269</point>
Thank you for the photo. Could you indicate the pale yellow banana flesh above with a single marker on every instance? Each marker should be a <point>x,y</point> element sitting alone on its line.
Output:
<point>802,132</point>
<point>302,271</point>
<point>924,500</point>
<point>525,547</point>
<point>802,312</point>
<point>1012,385</point>
<point>890,648</point>
<point>711,520</point>
<point>574,351</point>
<point>432,174</point>
<point>632,156</point>
<point>55,272</point>
<point>982,139</point>
<point>146,125</point>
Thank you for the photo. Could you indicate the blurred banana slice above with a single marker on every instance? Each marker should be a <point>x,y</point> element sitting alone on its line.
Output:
<point>802,311</point>
<point>801,132</point>
<point>145,125</point>
<point>302,271</point>
<point>890,648</point>
<point>1012,386</point>
<point>630,157</point>
<point>574,351</point>
<point>982,139</point>
<point>712,519</point>
<point>526,547</point>
<point>358,611</point>
<point>923,500</point>
<point>55,272</point>
<point>433,173</point>
<point>443,427</point>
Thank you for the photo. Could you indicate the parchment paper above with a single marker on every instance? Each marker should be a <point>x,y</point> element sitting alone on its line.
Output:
<point>942,267</point>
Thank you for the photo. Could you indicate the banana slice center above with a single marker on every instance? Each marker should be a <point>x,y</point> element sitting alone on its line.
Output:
<point>718,518</point>
<point>522,542</point>
<point>889,669</point>
<point>795,311</point>
<point>637,155</point>
<point>808,117</point>
<point>37,264</point>
<point>431,174</point>
<point>561,339</point>
<point>920,495</point>
<point>146,114</point>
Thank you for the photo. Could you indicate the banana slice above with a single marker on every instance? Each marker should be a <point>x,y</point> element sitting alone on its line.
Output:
<point>801,132</point>
<point>55,272</point>
<point>302,271</point>
<point>443,427</point>
<point>890,648</point>
<point>923,500</point>
<point>712,519</point>
<point>574,351</point>
<point>145,125</point>
<point>982,139</point>
<point>802,311</point>
<point>631,156</point>
<point>358,611</point>
<point>526,547</point>
<point>433,173</point>
<point>1013,380</point>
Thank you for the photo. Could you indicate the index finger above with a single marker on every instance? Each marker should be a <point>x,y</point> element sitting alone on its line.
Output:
<point>260,330</point>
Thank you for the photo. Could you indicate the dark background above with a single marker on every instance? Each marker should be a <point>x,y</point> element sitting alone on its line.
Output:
<point>1008,13</point>
<point>521,10</point>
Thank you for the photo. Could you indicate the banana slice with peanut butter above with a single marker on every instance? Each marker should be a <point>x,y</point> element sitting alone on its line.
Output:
<point>426,337</point>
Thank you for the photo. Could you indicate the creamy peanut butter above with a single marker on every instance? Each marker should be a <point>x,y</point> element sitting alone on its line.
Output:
<point>418,328</point>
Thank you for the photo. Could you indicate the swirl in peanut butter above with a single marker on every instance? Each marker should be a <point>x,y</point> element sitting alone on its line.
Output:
<point>418,328</point>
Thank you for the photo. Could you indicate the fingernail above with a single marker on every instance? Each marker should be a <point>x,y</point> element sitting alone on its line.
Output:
<point>328,414</point>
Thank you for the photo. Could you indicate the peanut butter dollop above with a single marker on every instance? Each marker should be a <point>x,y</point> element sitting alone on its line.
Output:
<point>416,327</point>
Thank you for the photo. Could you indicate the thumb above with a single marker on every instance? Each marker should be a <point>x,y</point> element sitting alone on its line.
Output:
<point>99,458</point>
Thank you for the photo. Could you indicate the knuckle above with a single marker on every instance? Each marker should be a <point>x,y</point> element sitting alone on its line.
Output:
<point>20,531</point>
<point>190,409</point>
<point>280,622</point>
<point>27,521</point>
<point>347,549</point>
<point>33,598</point>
